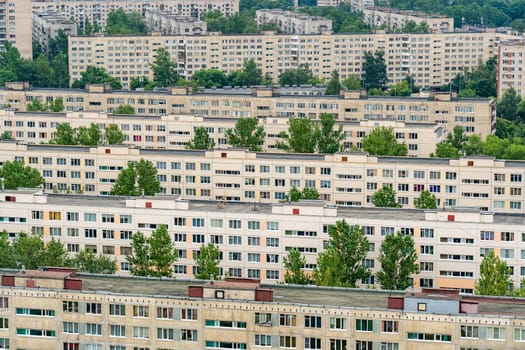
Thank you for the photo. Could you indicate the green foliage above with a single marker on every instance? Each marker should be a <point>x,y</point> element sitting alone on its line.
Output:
<point>89,136</point>
<point>210,78</point>
<point>8,257</point>
<point>334,85</point>
<point>293,264</point>
<point>55,106</point>
<point>58,44</point>
<point>494,276</point>
<point>445,150</point>
<point>6,135</point>
<point>141,82</point>
<point>297,76</point>
<point>55,254</point>
<point>344,20</point>
<point>87,261</point>
<point>164,69</point>
<point>382,141</point>
<point>124,109</point>
<point>426,200</point>
<point>385,198</point>
<point>239,23</point>
<point>138,178</point>
<point>201,140</point>
<point>250,75</point>
<point>96,75</point>
<point>127,23</point>
<point>476,82</point>
<point>330,139</point>
<point>207,262</point>
<point>352,83</point>
<point>296,195</point>
<point>398,261</point>
<point>302,136</point>
<point>16,175</point>
<point>86,136</point>
<point>507,105</point>
<point>341,264</point>
<point>29,250</point>
<point>246,134</point>
<point>154,255</point>
<point>89,28</point>
<point>374,71</point>
<point>400,89</point>
<point>65,135</point>
<point>113,135</point>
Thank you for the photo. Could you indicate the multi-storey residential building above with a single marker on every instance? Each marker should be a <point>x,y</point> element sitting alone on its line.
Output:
<point>396,19</point>
<point>511,60</point>
<point>345,179</point>
<point>15,20</point>
<point>293,22</point>
<point>177,130</point>
<point>47,25</point>
<point>171,23</point>
<point>476,116</point>
<point>74,312</point>
<point>96,11</point>
<point>254,238</point>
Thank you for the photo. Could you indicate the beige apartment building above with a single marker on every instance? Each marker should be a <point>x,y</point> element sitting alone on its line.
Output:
<point>175,131</point>
<point>96,11</point>
<point>511,61</point>
<point>254,238</point>
<point>430,59</point>
<point>292,22</point>
<point>171,23</point>
<point>15,17</point>
<point>476,116</point>
<point>74,312</point>
<point>344,179</point>
<point>47,25</point>
<point>396,19</point>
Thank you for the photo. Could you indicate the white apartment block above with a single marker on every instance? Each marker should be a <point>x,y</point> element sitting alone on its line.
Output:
<point>170,23</point>
<point>47,25</point>
<point>96,11</point>
<point>254,238</point>
<point>236,175</point>
<point>175,131</point>
<point>511,61</point>
<point>15,25</point>
<point>293,22</point>
<point>476,116</point>
<point>396,19</point>
<point>430,59</point>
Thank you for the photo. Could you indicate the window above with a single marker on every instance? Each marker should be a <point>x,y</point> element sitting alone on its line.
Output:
<point>93,329</point>
<point>69,306</point>
<point>312,321</point>
<point>188,335</point>
<point>216,223</point>
<point>272,242</point>
<point>234,240</point>
<point>141,332</point>
<point>507,253</point>
<point>70,327</point>
<point>117,309</point>
<point>364,325</point>
<point>519,334</point>
<point>429,337</point>
<point>389,346</point>
<point>254,225</point>
<point>287,341</point>
<point>140,311</point>
<point>287,320</point>
<point>507,236</point>
<point>254,241</point>
<point>337,323</point>
<point>125,219</point>
<point>90,217</point>
<point>487,235</point>
<point>254,257</point>
<point>263,340</point>
<point>427,249</point>
<point>272,226</point>
<point>312,343</point>
<point>116,330</point>
<point>427,233</point>
<point>188,314</point>
<point>94,308</point>
<point>469,331</point>
<point>165,333</point>
<point>495,333</point>
<point>363,345</point>
<point>197,222</point>
<point>389,326</point>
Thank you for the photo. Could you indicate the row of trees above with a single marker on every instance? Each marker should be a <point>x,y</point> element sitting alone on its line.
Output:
<point>87,136</point>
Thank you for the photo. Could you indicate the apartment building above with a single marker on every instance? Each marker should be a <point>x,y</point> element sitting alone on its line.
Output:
<point>107,313</point>
<point>171,23</point>
<point>47,25</point>
<point>177,130</point>
<point>345,179</point>
<point>511,56</point>
<point>476,116</point>
<point>96,11</point>
<point>254,238</point>
<point>430,59</point>
<point>293,22</point>
<point>396,19</point>
<point>15,20</point>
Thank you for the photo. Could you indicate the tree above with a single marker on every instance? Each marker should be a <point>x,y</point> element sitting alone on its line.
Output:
<point>29,250</point>
<point>398,261</point>
<point>113,135</point>
<point>65,135</point>
<point>334,85</point>
<point>153,256</point>
<point>330,140</point>
<point>426,200</point>
<point>164,69</point>
<point>96,75</point>
<point>400,89</point>
<point>293,264</point>
<point>6,135</point>
<point>87,261</point>
<point>201,140</point>
<point>382,141</point>
<point>58,44</point>
<point>91,136</point>
<point>44,74</point>
<point>507,105</point>
<point>7,258</point>
<point>296,76</point>
<point>494,276</point>
<point>246,134</point>
<point>54,254</point>
<point>308,193</point>
<point>141,82</point>
<point>385,198</point>
<point>61,69</point>
<point>210,78</point>
<point>341,262</point>
<point>16,175</point>
<point>352,83</point>
<point>124,109</point>
<point>207,262</point>
<point>250,75</point>
<point>302,137</point>
<point>57,105</point>
<point>125,23</point>
<point>137,179</point>
<point>445,150</point>
<point>374,71</point>
<point>35,106</point>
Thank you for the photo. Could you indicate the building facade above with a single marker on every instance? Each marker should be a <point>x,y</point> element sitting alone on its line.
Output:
<point>511,56</point>
<point>178,130</point>
<point>432,60</point>
<point>475,116</point>
<point>96,11</point>
<point>15,16</point>
<point>396,19</point>
<point>293,22</point>
<point>254,239</point>
<point>46,27</point>
<point>170,23</point>
<point>344,179</point>
<point>92,313</point>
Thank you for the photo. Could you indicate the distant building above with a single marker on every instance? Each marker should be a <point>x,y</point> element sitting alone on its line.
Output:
<point>293,22</point>
<point>170,23</point>
<point>15,25</point>
<point>47,25</point>
<point>396,19</point>
<point>511,67</point>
